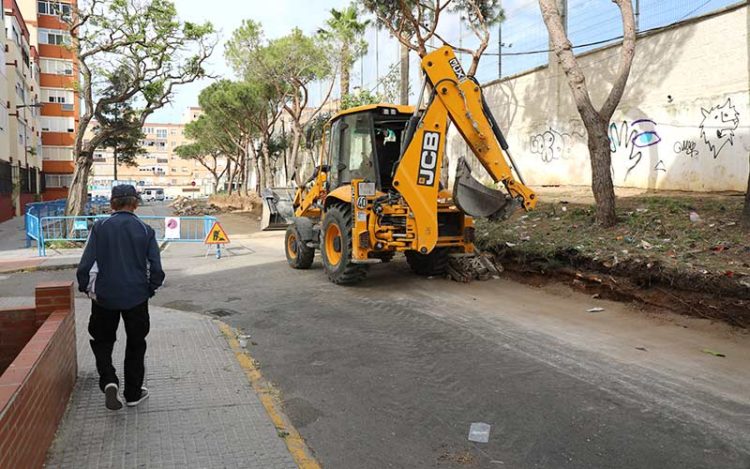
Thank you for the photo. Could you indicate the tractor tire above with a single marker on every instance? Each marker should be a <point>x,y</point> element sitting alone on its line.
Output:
<point>336,247</point>
<point>298,254</point>
<point>430,264</point>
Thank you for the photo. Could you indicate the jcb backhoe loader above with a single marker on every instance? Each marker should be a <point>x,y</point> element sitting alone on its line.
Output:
<point>377,191</point>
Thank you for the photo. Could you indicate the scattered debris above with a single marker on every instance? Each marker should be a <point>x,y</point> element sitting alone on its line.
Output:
<point>642,349</point>
<point>183,206</point>
<point>479,432</point>
<point>646,245</point>
<point>482,266</point>
<point>463,457</point>
<point>694,217</point>
<point>713,352</point>
<point>595,310</point>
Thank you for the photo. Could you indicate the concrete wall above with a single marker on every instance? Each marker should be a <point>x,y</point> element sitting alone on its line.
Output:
<point>683,123</point>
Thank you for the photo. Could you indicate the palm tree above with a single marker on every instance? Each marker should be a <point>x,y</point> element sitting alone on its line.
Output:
<point>345,29</point>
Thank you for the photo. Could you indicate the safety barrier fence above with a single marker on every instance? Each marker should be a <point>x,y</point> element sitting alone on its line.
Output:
<point>47,229</point>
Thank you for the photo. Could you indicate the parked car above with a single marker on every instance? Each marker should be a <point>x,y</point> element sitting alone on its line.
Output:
<point>149,194</point>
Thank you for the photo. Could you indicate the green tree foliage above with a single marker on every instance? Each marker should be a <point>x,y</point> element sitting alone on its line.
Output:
<point>415,22</point>
<point>234,114</point>
<point>121,125</point>
<point>343,32</point>
<point>147,48</point>
<point>206,148</point>
<point>288,66</point>
<point>359,98</point>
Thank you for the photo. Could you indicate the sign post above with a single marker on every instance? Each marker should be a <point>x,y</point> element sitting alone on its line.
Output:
<point>216,236</point>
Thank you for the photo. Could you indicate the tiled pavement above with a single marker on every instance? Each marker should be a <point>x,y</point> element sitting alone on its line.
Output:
<point>201,413</point>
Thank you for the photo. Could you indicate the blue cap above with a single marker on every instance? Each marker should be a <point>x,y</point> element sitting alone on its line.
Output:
<point>124,190</point>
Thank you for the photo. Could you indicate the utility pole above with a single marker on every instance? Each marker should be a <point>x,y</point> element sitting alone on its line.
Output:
<point>637,15</point>
<point>404,74</point>
<point>377,63</point>
<point>114,158</point>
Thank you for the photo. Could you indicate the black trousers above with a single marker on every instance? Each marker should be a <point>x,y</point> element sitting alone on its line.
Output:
<point>103,331</point>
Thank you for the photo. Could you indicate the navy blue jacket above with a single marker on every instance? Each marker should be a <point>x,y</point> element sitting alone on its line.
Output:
<point>128,261</point>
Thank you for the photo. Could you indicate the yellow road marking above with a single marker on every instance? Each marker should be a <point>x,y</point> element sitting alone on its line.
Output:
<point>294,441</point>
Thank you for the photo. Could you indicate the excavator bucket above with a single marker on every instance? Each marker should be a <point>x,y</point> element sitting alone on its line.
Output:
<point>476,199</point>
<point>278,209</point>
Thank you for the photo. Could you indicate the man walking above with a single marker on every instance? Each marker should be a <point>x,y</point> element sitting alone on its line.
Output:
<point>120,270</point>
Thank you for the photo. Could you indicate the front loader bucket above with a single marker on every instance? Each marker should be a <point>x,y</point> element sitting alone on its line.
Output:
<point>278,209</point>
<point>476,199</point>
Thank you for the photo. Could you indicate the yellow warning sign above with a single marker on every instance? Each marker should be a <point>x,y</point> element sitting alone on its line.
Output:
<point>216,235</point>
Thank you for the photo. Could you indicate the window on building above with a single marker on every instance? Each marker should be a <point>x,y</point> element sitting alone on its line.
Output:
<point>56,153</point>
<point>53,8</point>
<point>57,95</point>
<point>172,131</point>
<point>148,130</point>
<point>58,180</point>
<point>56,67</point>
<point>55,37</point>
<point>57,124</point>
<point>161,133</point>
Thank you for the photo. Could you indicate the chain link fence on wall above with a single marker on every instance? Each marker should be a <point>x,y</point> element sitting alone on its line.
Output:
<point>522,38</point>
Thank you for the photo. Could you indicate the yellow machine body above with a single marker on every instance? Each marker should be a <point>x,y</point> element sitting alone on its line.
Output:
<point>377,188</point>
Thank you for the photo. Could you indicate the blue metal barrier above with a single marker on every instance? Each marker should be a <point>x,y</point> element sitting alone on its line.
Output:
<point>76,229</point>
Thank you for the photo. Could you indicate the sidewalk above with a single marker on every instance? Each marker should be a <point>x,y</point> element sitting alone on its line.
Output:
<point>202,411</point>
<point>15,256</point>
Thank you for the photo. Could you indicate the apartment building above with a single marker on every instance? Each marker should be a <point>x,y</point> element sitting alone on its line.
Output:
<point>20,136</point>
<point>159,167</point>
<point>60,108</point>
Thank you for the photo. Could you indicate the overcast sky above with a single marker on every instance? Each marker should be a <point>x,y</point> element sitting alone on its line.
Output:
<point>523,31</point>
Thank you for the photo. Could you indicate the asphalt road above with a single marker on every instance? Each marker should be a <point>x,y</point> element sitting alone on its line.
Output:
<point>392,373</point>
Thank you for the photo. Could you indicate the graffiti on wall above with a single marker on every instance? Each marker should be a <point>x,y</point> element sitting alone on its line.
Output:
<point>632,138</point>
<point>553,144</point>
<point>718,126</point>
<point>687,148</point>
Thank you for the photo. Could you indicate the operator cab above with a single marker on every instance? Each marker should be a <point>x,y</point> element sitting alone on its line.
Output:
<point>365,143</point>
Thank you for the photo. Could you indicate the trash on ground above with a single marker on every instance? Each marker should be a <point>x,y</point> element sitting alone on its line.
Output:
<point>480,267</point>
<point>595,310</point>
<point>479,432</point>
<point>713,352</point>
<point>642,349</point>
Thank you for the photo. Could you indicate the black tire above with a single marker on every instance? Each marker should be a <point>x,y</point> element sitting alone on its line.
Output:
<point>298,254</point>
<point>340,271</point>
<point>430,264</point>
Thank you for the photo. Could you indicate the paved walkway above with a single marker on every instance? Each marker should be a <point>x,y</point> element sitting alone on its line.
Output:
<point>202,411</point>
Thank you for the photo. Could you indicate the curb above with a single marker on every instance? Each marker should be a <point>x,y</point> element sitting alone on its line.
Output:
<point>269,398</point>
<point>40,268</point>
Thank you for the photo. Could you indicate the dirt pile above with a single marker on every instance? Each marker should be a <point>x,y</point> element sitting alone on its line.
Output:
<point>183,206</point>
<point>236,203</point>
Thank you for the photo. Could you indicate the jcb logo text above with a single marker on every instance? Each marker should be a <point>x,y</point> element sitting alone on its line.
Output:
<point>428,160</point>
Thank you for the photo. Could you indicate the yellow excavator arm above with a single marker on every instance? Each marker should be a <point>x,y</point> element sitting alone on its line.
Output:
<point>457,98</point>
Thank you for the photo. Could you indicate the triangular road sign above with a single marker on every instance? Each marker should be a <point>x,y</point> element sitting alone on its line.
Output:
<point>216,235</point>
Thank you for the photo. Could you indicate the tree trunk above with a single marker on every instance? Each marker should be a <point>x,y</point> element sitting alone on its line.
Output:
<point>267,174</point>
<point>404,75</point>
<point>78,191</point>
<point>596,121</point>
<point>345,66</point>
<point>294,158</point>
<point>230,177</point>
<point>114,153</point>
<point>746,211</point>
<point>601,172</point>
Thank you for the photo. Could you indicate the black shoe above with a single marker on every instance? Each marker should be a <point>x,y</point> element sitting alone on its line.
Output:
<point>111,399</point>
<point>144,396</point>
